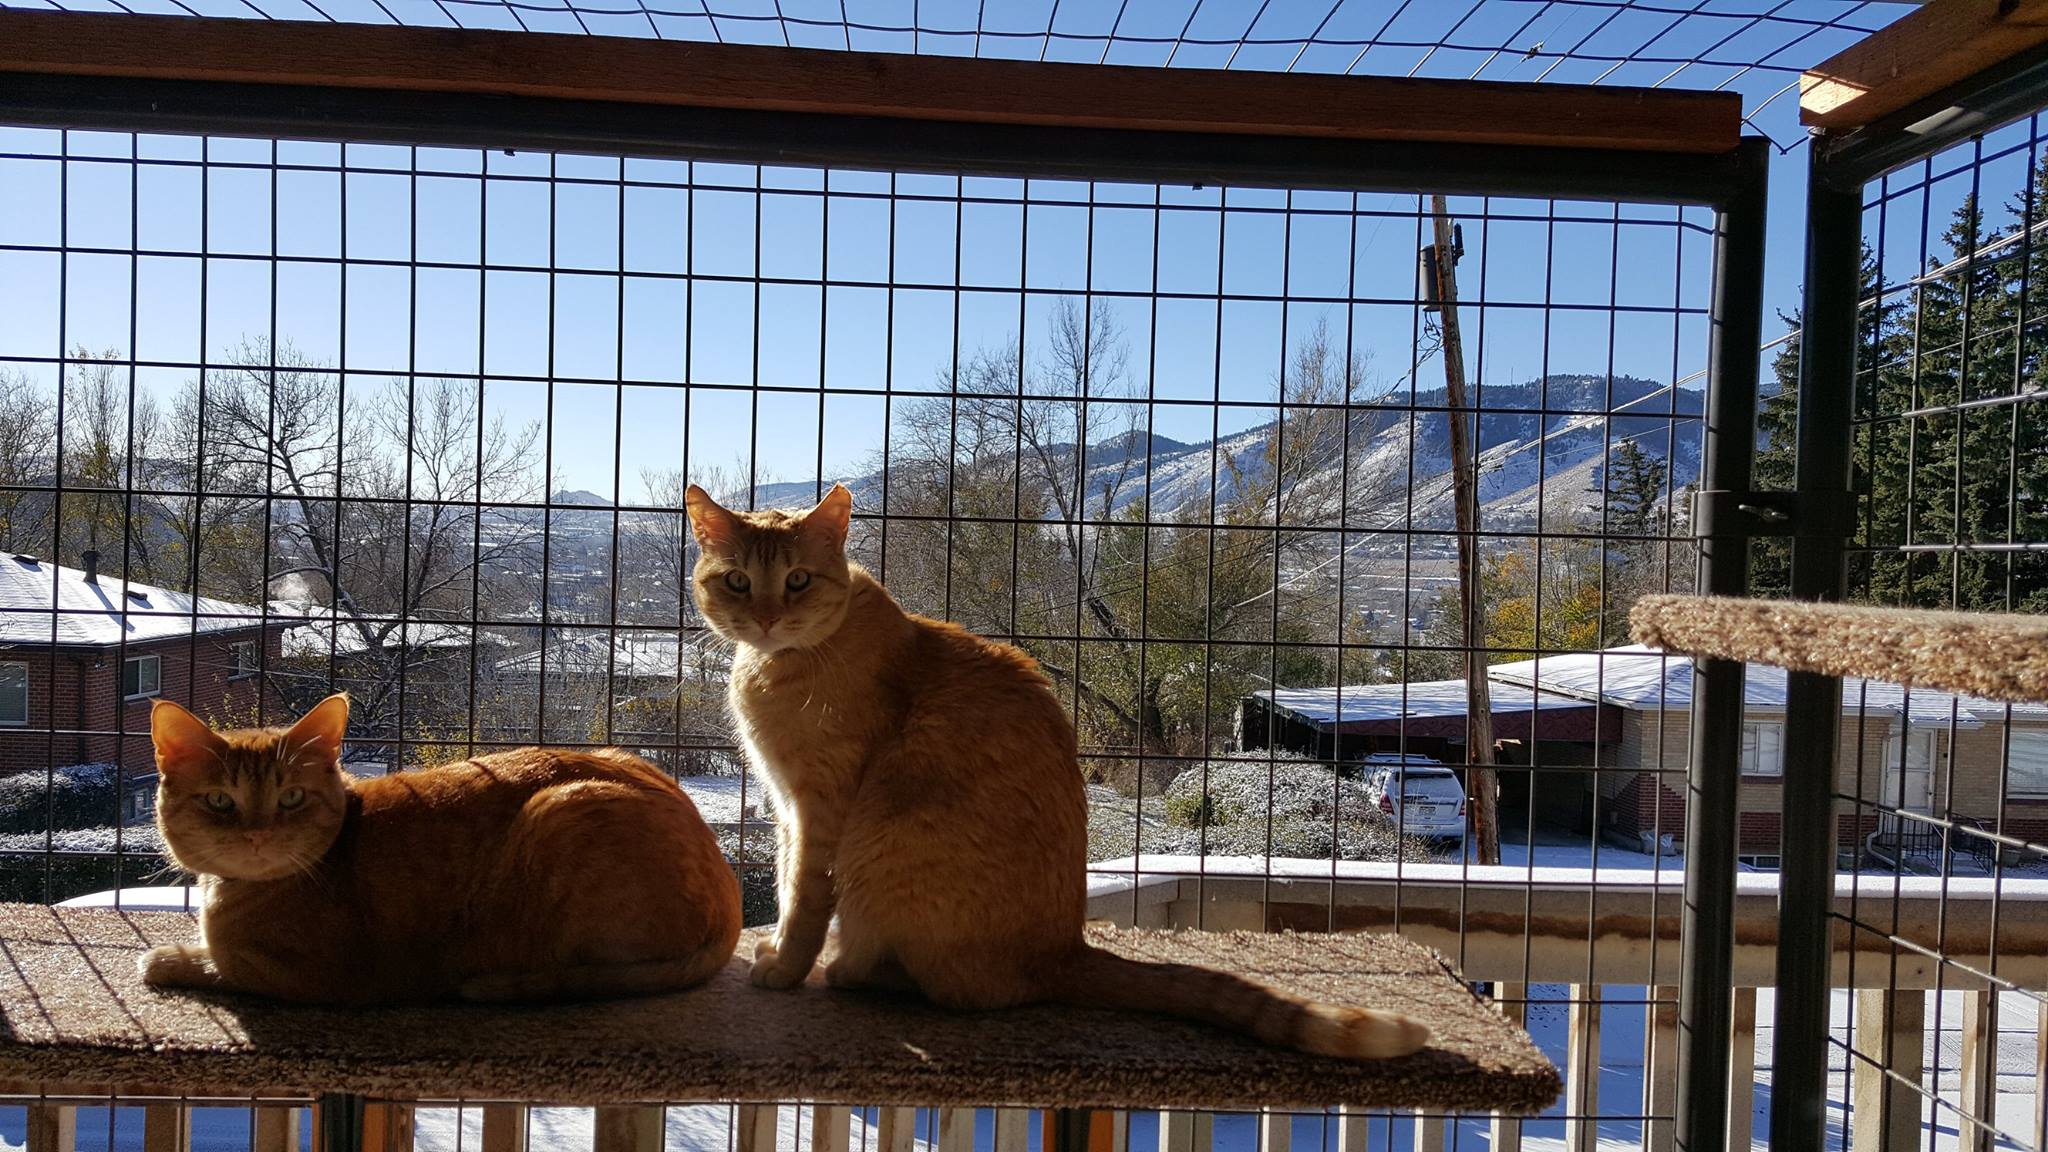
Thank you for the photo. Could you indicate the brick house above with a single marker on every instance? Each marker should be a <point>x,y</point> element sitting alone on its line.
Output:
<point>1609,736</point>
<point>82,656</point>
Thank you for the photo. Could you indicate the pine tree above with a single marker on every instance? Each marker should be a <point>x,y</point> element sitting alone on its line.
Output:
<point>1882,346</point>
<point>1634,487</point>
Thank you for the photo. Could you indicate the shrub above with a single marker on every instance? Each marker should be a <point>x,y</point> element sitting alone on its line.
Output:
<point>1249,804</point>
<point>74,796</point>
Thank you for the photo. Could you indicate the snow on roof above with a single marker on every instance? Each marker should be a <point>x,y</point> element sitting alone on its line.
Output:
<point>1419,700</point>
<point>1635,676</point>
<point>314,634</point>
<point>629,653</point>
<point>45,603</point>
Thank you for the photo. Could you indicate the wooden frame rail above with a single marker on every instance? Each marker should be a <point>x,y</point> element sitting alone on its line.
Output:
<point>1571,925</point>
<point>1936,47</point>
<point>865,84</point>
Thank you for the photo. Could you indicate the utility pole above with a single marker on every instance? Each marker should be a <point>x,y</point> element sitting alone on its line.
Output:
<point>1481,783</point>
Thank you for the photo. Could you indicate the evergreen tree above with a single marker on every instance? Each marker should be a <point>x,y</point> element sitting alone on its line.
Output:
<point>1634,487</point>
<point>1951,432</point>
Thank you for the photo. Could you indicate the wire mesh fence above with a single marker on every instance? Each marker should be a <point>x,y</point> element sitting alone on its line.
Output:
<point>414,423</point>
<point>1944,796</point>
<point>280,417</point>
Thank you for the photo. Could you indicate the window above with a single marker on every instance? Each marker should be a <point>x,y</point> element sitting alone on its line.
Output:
<point>244,659</point>
<point>2029,772</point>
<point>1763,749</point>
<point>13,693</point>
<point>141,676</point>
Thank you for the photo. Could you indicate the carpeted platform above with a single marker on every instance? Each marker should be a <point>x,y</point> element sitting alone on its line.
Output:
<point>2003,657</point>
<point>77,1016</point>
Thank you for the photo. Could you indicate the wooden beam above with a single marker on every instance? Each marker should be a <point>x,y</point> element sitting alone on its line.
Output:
<point>757,1126</point>
<point>1890,1041</point>
<point>52,1128</point>
<point>1582,1070</point>
<point>276,1129</point>
<point>1742,1072</point>
<point>1504,1133</point>
<point>898,1130</point>
<point>1921,54</point>
<point>504,1128</point>
<point>631,1128</point>
<point>387,1127</point>
<point>166,1128</point>
<point>868,84</point>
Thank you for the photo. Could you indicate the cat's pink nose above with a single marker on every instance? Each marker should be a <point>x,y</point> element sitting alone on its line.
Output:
<point>767,622</point>
<point>256,839</point>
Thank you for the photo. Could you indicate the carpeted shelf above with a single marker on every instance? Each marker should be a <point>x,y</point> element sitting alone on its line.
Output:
<point>2002,657</point>
<point>77,1018</point>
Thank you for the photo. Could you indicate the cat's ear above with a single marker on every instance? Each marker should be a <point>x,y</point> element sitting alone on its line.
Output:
<point>319,733</point>
<point>713,526</point>
<point>831,518</point>
<point>184,744</point>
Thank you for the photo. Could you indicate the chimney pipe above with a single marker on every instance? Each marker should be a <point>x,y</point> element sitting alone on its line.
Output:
<point>92,565</point>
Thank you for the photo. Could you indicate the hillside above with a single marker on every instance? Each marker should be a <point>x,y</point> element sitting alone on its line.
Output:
<point>1543,442</point>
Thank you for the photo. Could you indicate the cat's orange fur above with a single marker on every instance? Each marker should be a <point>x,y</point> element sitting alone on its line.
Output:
<point>533,874</point>
<point>928,789</point>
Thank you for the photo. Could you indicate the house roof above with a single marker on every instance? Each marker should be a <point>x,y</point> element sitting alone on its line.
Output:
<point>313,634</point>
<point>1634,676</point>
<point>630,652</point>
<point>1428,699</point>
<point>44,603</point>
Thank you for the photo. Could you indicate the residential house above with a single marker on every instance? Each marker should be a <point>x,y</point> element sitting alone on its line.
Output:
<point>1608,734</point>
<point>83,654</point>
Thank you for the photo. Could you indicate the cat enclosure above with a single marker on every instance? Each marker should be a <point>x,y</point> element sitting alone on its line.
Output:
<point>375,355</point>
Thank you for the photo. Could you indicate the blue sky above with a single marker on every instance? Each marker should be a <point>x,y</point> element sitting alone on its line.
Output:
<point>1277,275</point>
<point>187,249</point>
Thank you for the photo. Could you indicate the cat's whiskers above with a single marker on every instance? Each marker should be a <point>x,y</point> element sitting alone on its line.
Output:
<point>170,868</point>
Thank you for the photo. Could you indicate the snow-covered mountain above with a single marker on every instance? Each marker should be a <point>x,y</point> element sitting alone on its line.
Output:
<point>1544,443</point>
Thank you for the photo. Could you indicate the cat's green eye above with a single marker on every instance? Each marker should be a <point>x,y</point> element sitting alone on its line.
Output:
<point>220,802</point>
<point>798,580</point>
<point>736,580</point>
<point>291,798</point>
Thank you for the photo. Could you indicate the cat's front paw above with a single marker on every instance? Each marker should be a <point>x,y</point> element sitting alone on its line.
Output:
<point>771,971</point>
<point>177,966</point>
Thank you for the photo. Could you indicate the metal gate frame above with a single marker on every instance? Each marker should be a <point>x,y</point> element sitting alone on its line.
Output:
<point>1731,184</point>
<point>1839,165</point>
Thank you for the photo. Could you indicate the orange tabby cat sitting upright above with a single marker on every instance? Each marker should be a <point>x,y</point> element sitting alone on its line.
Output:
<point>524,875</point>
<point>928,788</point>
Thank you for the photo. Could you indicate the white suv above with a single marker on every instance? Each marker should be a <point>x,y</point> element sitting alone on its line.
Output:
<point>1421,796</point>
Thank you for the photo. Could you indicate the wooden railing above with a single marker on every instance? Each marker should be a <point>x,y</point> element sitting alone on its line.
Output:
<point>1510,927</point>
<point>1506,928</point>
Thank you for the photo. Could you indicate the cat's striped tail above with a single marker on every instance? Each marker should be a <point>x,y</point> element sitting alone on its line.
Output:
<point>1100,979</point>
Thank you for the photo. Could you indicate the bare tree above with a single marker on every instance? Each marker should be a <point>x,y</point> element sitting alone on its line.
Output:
<point>1023,513</point>
<point>112,435</point>
<point>27,429</point>
<point>378,504</point>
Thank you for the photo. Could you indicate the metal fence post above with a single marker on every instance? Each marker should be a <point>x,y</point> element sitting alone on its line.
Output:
<point>1813,704</point>
<point>1705,1003</point>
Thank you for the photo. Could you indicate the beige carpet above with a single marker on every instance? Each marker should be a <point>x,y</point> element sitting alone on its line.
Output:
<point>2003,657</point>
<point>77,1016</point>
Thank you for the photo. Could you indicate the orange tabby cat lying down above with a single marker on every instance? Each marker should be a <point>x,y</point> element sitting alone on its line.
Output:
<point>524,875</point>
<point>928,788</point>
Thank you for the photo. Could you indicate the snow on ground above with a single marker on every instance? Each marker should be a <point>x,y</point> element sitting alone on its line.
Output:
<point>689,1128</point>
<point>718,797</point>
